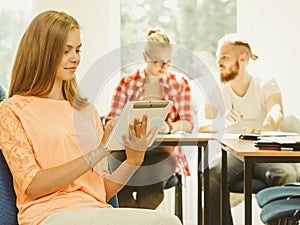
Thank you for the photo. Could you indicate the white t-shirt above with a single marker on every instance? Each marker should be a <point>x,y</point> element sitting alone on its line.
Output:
<point>252,105</point>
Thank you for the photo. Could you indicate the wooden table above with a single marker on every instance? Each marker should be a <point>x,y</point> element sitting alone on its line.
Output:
<point>246,151</point>
<point>200,140</point>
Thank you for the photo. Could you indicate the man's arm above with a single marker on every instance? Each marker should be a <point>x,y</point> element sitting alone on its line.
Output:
<point>209,114</point>
<point>275,112</point>
<point>274,116</point>
<point>209,111</point>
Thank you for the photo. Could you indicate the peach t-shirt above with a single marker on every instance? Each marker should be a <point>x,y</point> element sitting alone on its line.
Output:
<point>40,133</point>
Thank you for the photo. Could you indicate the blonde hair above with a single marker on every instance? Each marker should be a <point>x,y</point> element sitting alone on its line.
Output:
<point>40,52</point>
<point>236,40</point>
<point>155,37</point>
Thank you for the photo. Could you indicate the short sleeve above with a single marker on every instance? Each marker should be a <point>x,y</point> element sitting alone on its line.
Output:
<point>16,148</point>
<point>269,88</point>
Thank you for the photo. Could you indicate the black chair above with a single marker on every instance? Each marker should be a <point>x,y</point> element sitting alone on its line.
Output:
<point>281,212</point>
<point>8,209</point>
<point>238,187</point>
<point>271,194</point>
<point>280,204</point>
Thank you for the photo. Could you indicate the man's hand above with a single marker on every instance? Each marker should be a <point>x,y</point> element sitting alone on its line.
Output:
<point>253,130</point>
<point>233,116</point>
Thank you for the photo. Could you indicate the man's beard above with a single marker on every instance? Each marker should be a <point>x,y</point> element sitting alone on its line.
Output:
<point>233,72</point>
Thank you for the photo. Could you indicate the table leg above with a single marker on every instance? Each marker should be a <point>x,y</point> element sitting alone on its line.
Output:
<point>199,213</point>
<point>178,198</point>
<point>206,186</point>
<point>224,189</point>
<point>248,166</point>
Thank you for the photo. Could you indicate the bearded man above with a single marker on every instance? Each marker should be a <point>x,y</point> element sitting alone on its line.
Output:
<point>252,104</point>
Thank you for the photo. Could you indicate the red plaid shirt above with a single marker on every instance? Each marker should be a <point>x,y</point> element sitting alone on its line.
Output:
<point>131,88</point>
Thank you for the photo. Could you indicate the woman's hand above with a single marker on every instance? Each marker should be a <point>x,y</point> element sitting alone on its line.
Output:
<point>138,141</point>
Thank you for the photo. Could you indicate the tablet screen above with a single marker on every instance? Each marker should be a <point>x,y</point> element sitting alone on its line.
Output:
<point>157,111</point>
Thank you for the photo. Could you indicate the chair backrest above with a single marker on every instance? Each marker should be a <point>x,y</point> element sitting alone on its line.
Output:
<point>238,186</point>
<point>8,209</point>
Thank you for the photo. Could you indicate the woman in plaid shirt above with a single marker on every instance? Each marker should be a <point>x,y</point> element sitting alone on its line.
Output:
<point>154,82</point>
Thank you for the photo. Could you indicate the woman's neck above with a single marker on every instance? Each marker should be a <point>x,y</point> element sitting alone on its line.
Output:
<point>149,74</point>
<point>56,92</point>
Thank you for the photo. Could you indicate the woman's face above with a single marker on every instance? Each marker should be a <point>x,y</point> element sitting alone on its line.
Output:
<point>71,58</point>
<point>158,60</point>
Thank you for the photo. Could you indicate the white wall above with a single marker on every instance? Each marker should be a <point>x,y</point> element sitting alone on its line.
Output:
<point>273,27</point>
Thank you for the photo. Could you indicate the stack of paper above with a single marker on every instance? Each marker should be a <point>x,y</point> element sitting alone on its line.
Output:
<point>284,143</point>
<point>267,134</point>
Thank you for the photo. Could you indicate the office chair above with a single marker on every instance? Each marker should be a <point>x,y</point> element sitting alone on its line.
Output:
<point>281,212</point>
<point>237,189</point>
<point>280,204</point>
<point>257,185</point>
<point>275,193</point>
<point>8,209</point>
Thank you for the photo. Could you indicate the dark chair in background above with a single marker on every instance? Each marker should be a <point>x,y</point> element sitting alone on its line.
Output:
<point>8,209</point>
<point>237,190</point>
<point>238,187</point>
<point>280,204</point>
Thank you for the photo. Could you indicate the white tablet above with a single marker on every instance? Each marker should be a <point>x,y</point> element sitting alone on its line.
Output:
<point>157,111</point>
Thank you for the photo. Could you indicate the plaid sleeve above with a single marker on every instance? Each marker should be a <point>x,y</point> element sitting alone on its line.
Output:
<point>185,110</point>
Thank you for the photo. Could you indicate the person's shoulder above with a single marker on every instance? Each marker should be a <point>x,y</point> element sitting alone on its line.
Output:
<point>136,75</point>
<point>8,104</point>
<point>15,103</point>
<point>263,81</point>
<point>179,78</point>
<point>89,107</point>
